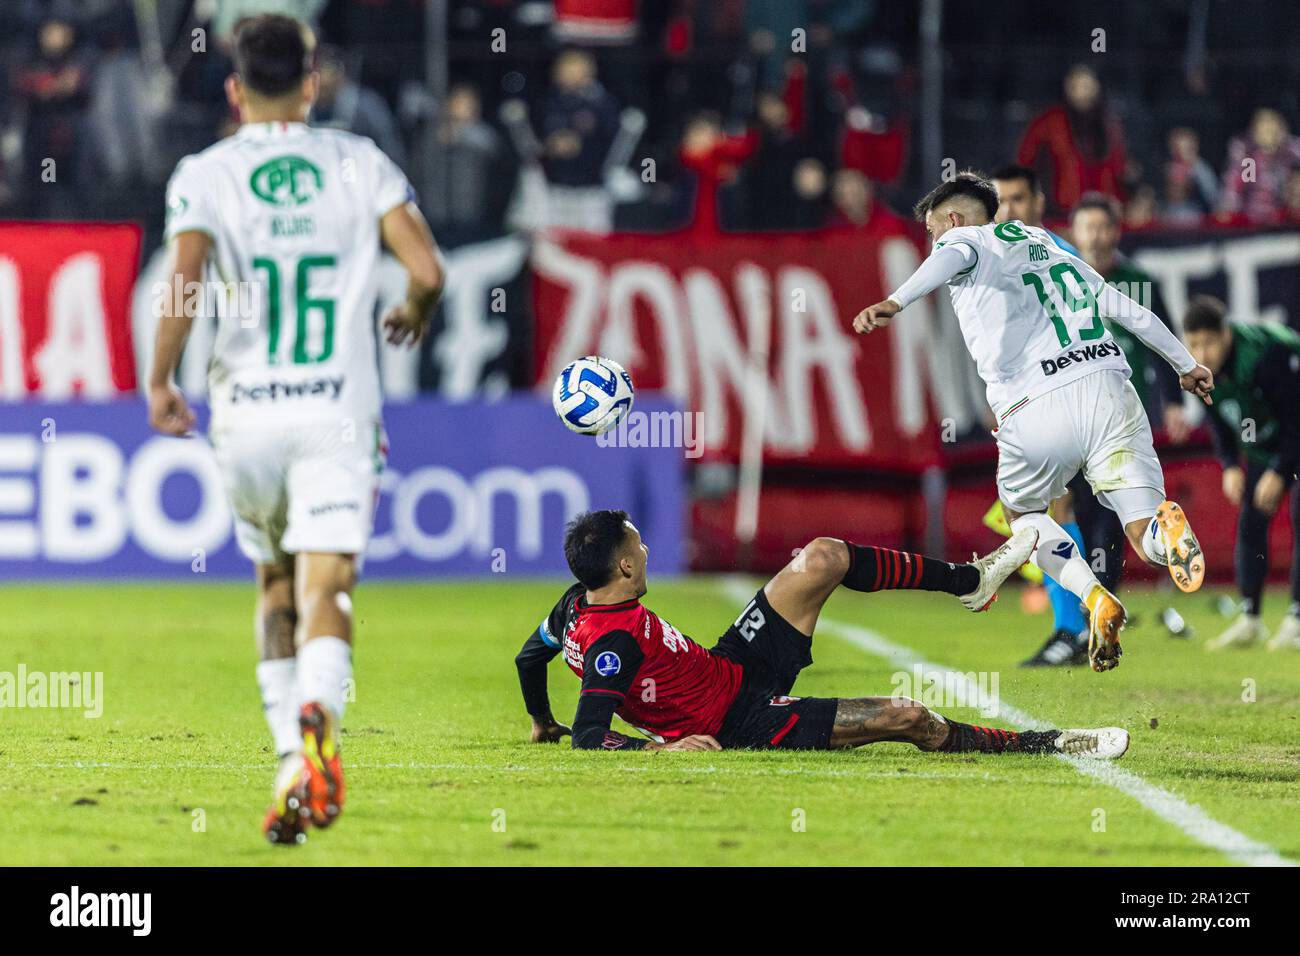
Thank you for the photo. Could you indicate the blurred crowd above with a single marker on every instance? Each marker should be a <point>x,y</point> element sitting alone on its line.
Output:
<point>742,115</point>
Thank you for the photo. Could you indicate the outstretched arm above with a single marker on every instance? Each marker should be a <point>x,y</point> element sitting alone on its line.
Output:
<point>1153,333</point>
<point>941,266</point>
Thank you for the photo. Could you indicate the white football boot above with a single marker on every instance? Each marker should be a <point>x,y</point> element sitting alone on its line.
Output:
<point>1103,743</point>
<point>1245,631</point>
<point>996,567</point>
<point>1287,637</point>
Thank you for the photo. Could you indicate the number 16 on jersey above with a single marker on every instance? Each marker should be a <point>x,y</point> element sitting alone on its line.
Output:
<point>310,339</point>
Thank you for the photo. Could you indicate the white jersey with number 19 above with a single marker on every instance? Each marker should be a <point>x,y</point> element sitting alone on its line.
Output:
<point>1028,312</point>
<point>293,213</point>
<point>1032,316</point>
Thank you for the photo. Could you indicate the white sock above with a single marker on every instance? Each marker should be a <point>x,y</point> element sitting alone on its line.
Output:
<point>278,681</point>
<point>324,670</point>
<point>1057,555</point>
<point>1153,543</point>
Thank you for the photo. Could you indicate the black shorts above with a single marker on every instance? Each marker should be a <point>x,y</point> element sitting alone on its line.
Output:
<point>771,652</point>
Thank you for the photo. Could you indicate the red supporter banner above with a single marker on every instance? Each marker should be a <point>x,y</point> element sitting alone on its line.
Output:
<point>65,309</point>
<point>688,314</point>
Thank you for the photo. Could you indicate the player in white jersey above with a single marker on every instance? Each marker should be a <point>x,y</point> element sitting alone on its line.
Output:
<point>288,220</point>
<point>1031,315</point>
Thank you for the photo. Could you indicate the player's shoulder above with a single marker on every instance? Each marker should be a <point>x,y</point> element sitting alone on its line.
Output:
<point>554,626</point>
<point>977,237</point>
<point>345,141</point>
<point>567,605</point>
<point>197,164</point>
<point>973,241</point>
<point>1012,231</point>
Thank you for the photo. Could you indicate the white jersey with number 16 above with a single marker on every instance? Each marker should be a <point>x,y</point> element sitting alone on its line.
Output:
<point>293,213</point>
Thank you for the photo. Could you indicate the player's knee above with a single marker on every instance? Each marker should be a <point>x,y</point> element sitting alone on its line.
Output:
<point>826,558</point>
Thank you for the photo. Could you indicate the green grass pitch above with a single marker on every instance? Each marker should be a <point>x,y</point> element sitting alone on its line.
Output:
<point>177,769</point>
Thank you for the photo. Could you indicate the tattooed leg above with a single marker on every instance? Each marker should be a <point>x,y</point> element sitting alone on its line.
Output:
<point>277,618</point>
<point>866,720</point>
<point>869,720</point>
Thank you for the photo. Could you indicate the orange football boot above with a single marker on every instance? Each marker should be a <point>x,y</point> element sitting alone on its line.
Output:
<point>323,788</point>
<point>285,823</point>
<point>1182,550</point>
<point>1106,619</point>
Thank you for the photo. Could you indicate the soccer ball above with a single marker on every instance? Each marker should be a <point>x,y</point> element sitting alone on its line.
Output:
<point>592,395</point>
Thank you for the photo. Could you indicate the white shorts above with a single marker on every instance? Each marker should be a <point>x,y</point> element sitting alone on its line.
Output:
<point>302,487</point>
<point>1095,424</point>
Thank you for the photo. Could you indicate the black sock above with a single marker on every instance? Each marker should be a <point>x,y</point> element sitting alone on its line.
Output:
<point>1251,554</point>
<point>880,569</point>
<point>965,737</point>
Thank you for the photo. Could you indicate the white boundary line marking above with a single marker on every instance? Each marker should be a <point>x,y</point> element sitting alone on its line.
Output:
<point>1188,817</point>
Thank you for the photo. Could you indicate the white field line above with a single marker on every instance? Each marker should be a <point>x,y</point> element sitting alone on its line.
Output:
<point>1188,817</point>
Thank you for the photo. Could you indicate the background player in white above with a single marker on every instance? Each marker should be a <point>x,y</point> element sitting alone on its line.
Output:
<point>292,219</point>
<point>1031,315</point>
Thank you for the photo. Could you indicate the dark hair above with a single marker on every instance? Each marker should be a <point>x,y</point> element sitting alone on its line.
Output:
<point>273,53</point>
<point>1106,204</point>
<point>1205,313</point>
<point>1013,172</point>
<point>591,542</point>
<point>969,184</point>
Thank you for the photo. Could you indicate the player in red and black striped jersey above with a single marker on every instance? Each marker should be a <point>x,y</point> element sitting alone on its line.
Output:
<point>682,696</point>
